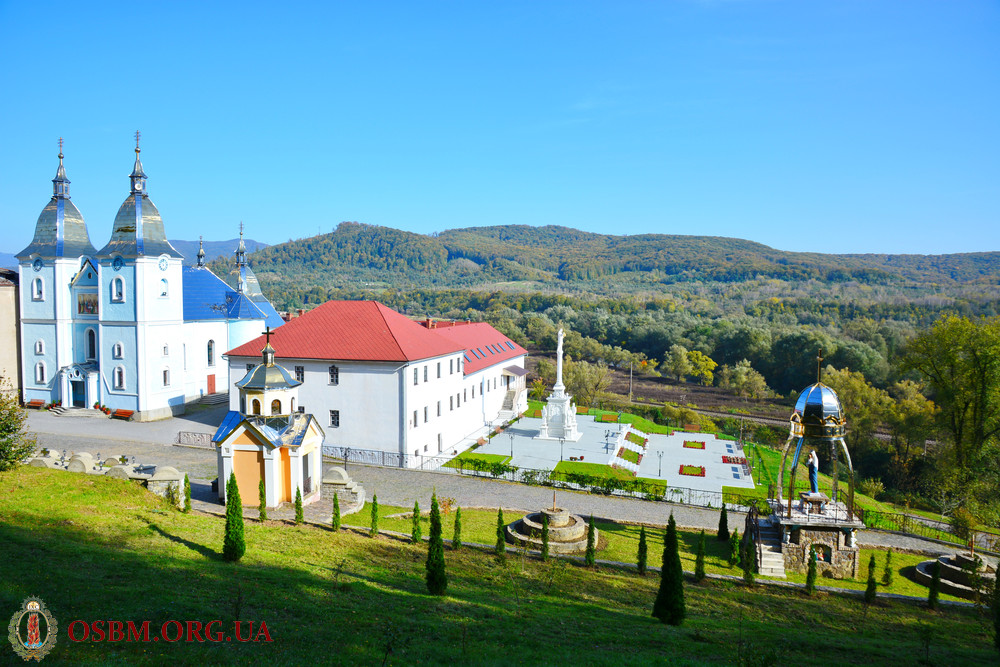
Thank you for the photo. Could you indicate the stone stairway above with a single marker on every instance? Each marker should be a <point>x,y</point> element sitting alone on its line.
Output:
<point>772,563</point>
<point>215,399</point>
<point>77,412</point>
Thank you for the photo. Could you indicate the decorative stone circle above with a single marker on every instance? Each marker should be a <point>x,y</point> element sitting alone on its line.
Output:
<point>567,532</point>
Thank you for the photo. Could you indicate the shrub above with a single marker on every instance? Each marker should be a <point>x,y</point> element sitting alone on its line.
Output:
<point>641,561</point>
<point>872,487</point>
<point>669,604</point>
<point>233,544</point>
<point>373,531</point>
<point>501,546</point>
<point>962,523</point>
<point>887,573</point>
<point>747,559</point>
<point>335,521</point>
<point>261,501</point>
<point>723,534</point>
<point>545,536</point>
<point>591,547</point>
<point>933,591</point>
<point>811,573</point>
<point>734,547</point>
<point>995,610</point>
<point>456,541</point>
<point>299,518</point>
<point>187,494</point>
<point>699,561</point>
<point>437,578</point>
<point>870,588</point>
<point>415,531</point>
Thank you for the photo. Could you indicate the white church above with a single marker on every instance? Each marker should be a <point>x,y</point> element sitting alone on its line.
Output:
<point>389,390</point>
<point>127,326</point>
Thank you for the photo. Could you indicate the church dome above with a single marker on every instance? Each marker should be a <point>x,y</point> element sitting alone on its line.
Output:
<point>818,412</point>
<point>60,230</point>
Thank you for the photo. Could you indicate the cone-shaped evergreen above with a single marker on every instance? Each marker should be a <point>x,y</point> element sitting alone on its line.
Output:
<point>591,546</point>
<point>299,518</point>
<point>456,541</point>
<point>669,605</point>
<point>187,494</point>
<point>261,502</point>
<point>723,525</point>
<point>734,547</point>
<point>643,549</point>
<point>932,594</point>
<point>233,546</point>
<point>699,560</point>
<point>870,588</point>
<point>501,546</point>
<point>995,610</point>
<point>811,573</point>
<point>374,529</point>
<point>887,573</point>
<point>437,578</point>
<point>416,533</point>
<point>335,521</point>
<point>545,536</point>
<point>747,559</point>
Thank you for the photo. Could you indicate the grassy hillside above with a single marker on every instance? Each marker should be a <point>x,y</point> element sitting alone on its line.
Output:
<point>94,548</point>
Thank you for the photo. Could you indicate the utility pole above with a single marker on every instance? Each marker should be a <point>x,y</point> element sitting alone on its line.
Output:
<point>630,382</point>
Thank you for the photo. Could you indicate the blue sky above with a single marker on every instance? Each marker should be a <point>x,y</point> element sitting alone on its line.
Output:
<point>820,126</point>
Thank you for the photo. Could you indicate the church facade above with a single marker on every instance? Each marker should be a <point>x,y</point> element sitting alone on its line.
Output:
<point>127,326</point>
<point>391,390</point>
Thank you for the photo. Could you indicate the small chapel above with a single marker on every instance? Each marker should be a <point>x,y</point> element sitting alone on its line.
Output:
<point>270,438</point>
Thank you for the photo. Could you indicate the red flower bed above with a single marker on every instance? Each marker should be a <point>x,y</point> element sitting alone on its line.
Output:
<point>694,444</point>
<point>693,471</point>
<point>735,460</point>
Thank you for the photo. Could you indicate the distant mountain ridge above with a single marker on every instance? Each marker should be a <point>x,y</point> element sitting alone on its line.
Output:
<point>189,249</point>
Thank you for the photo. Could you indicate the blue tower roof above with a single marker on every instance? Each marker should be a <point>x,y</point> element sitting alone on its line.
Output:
<point>208,297</point>
<point>60,230</point>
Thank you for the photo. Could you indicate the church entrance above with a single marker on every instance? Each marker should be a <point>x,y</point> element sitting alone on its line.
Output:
<point>79,392</point>
<point>211,384</point>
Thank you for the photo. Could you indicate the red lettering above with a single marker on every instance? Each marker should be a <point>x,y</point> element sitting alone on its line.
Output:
<point>115,633</point>
<point>133,633</point>
<point>217,637</point>
<point>165,633</point>
<point>97,628</point>
<point>262,630</point>
<point>249,632</point>
<point>194,629</point>
<point>86,631</point>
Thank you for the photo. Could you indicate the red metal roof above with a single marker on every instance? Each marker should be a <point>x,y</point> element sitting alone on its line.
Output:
<point>352,331</point>
<point>484,345</point>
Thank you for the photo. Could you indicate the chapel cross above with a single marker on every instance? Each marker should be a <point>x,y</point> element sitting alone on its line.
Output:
<point>267,335</point>
<point>819,365</point>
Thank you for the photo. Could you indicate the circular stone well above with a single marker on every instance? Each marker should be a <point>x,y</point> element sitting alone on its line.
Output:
<point>567,532</point>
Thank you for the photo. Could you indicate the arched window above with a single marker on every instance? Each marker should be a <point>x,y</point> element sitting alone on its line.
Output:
<point>275,407</point>
<point>37,290</point>
<point>211,353</point>
<point>119,377</point>
<point>118,290</point>
<point>116,350</point>
<point>40,372</point>
<point>256,406</point>
<point>293,403</point>
<point>39,346</point>
<point>166,350</point>
<point>91,344</point>
<point>163,287</point>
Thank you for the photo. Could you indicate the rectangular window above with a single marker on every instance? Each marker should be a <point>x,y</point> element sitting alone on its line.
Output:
<point>439,443</point>
<point>451,367</point>
<point>415,376</point>
<point>451,402</point>
<point>473,392</point>
<point>335,418</point>
<point>415,421</point>
<point>458,400</point>
<point>249,367</point>
<point>425,373</point>
<point>465,395</point>
<point>439,408</point>
<point>425,414</point>
<point>300,373</point>
<point>439,370</point>
<point>334,375</point>
<point>166,377</point>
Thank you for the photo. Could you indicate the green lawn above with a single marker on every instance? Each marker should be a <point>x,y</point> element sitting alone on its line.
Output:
<point>629,455</point>
<point>463,459</point>
<point>95,548</point>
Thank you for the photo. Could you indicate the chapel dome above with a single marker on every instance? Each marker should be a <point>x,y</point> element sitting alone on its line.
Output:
<point>818,412</point>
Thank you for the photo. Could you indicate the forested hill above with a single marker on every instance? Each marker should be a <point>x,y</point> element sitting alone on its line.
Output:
<point>359,256</point>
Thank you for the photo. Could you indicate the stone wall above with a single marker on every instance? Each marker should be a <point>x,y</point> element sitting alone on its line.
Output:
<point>831,542</point>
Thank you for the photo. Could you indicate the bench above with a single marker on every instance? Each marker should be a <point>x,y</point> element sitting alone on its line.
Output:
<point>123,414</point>
<point>35,403</point>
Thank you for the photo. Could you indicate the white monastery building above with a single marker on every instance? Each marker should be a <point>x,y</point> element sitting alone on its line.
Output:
<point>127,326</point>
<point>391,390</point>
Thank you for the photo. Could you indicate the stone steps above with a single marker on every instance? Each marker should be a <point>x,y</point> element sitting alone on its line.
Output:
<point>215,399</point>
<point>77,412</point>
<point>772,561</point>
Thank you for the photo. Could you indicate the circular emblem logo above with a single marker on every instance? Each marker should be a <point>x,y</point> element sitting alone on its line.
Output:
<point>37,264</point>
<point>163,264</point>
<point>32,630</point>
<point>117,263</point>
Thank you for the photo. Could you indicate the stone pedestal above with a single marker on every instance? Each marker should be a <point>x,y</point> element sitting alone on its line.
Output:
<point>832,534</point>
<point>559,418</point>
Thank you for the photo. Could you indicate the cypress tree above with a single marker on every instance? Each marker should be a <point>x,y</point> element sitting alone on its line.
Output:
<point>437,578</point>
<point>747,559</point>
<point>416,533</point>
<point>545,536</point>
<point>811,572</point>
<point>734,547</point>
<point>335,521</point>
<point>233,544</point>
<point>588,557</point>
<point>723,525</point>
<point>887,573</point>
<point>299,518</point>
<point>932,594</point>
<point>187,494</point>
<point>373,532</point>
<point>501,546</point>
<point>669,605</point>
<point>641,562</point>
<point>870,588</point>
<point>456,542</point>
<point>699,561</point>
<point>995,610</point>
<point>261,502</point>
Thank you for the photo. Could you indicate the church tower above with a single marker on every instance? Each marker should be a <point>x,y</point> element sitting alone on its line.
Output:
<point>142,343</point>
<point>56,327</point>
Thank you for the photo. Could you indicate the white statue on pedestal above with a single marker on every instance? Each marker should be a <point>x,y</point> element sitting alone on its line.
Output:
<point>559,413</point>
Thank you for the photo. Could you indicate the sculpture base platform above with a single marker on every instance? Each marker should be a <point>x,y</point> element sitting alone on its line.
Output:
<point>831,532</point>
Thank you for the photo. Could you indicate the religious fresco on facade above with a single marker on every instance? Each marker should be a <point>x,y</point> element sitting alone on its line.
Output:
<point>87,304</point>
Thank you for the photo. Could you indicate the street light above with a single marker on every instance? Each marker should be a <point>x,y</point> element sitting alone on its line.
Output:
<point>511,436</point>
<point>660,454</point>
<point>561,449</point>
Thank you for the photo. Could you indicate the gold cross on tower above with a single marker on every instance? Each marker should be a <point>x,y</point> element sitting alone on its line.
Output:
<point>819,365</point>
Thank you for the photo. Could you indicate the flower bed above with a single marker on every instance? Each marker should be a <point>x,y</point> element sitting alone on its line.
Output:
<point>734,460</point>
<point>694,444</point>
<point>693,471</point>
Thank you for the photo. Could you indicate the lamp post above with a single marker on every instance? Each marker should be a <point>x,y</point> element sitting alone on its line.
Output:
<point>511,436</point>
<point>660,470</point>
<point>561,449</point>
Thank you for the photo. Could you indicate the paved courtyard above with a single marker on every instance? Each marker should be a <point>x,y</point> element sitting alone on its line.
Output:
<point>664,456</point>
